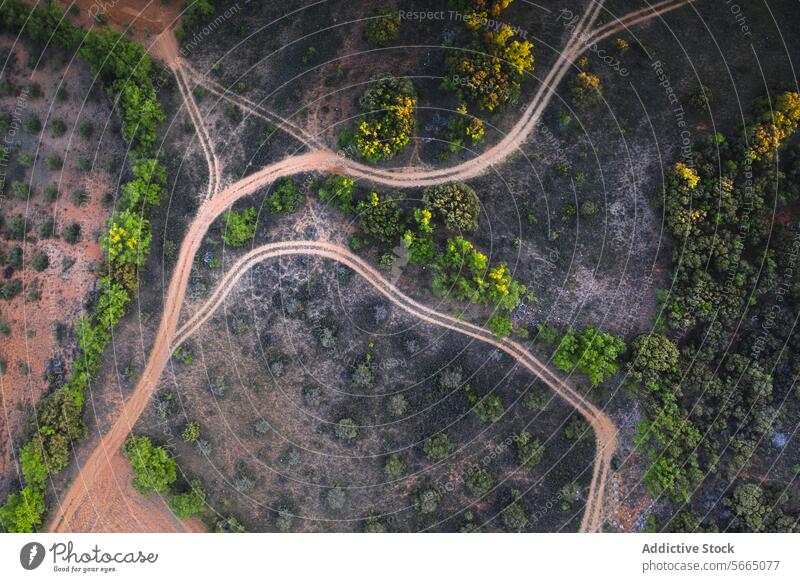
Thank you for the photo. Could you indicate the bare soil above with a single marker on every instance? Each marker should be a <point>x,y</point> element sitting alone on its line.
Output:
<point>39,346</point>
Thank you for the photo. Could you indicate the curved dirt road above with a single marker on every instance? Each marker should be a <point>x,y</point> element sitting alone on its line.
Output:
<point>603,427</point>
<point>97,482</point>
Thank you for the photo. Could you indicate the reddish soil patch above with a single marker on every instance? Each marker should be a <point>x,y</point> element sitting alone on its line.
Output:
<point>38,322</point>
<point>113,506</point>
<point>147,17</point>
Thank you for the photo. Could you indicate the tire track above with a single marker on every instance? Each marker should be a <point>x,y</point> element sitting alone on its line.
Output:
<point>603,428</point>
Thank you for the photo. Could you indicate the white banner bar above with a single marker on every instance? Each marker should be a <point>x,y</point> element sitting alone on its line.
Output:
<point>400,557</point>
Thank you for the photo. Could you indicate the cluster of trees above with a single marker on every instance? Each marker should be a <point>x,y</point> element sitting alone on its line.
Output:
<point>125,71</point>
<point>464,273</point>
<point>460,270</point>
<point>155,471</point>
<point>388,118</point>
<point>710,394</point>
<point>490,70</point>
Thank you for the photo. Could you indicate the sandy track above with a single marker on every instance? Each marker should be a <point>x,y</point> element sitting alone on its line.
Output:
<point>166,48</point>
<point>214,173</point>
<point>97,477</point>
<point>254,109</point>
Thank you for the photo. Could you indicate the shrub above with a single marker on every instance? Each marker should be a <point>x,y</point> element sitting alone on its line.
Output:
<point>285,520</point>
<point>72,233</point>
<point>395,466</point>
<point>535,400</point>
<point>397,405</point>
<point>80,197</point>
<point>22,190</point>
<point>240,227</point>
<point>346,429</point>
<point>588,208</point>
<point>191,433</point>
<point>530,450</point>
<point>513,516</point>
<point>701,99</point>
<point>461,127</point>
<point>54,162</point>
<point>489,409</point>
<point>335,497</point>
<point>586,90</point>
<point>57,127</point>
<point>438,447</point>
<point>189,504</point>
<point>14,257</point>
<point>500,326</point>
<point>40,261</point>
<point>19,228</point>
<point>381,219</point>
<point>26,159</point>
<point>427,501</point>
<point>11,289</point>
<point>338,192</point>
<point>286,197</point>
<point>51,193</point>
<point>153,468</point>
<point>32,124</point>
<point>383,27</point>
<point>85,130</point>
<point>456,204</point>
<point>478,482</point>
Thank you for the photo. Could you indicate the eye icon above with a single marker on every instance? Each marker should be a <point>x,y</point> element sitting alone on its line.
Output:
<point>31,555</point>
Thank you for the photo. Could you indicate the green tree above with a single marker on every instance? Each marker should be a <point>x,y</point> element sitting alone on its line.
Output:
<point>654,357</point>
<point>388,118</point>
<point>593,352</point>
<point>383,26</point>
<point>395,466</point>
<point>240,227</point>
<point>286,197</point>
<point>438,447</point>
<point>190,503</point>
<point>478,482</point>
<point>530,450</point>
<point>455,203</point>
<point>381,219</point>
<point>153,468</point>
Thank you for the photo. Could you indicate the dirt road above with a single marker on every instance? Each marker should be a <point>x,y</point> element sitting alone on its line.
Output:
<point>90,492</point>
<point>604,430</point>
